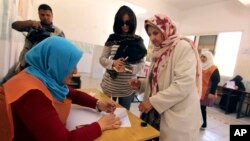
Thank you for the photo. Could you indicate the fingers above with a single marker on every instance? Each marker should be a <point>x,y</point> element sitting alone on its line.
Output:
<point>36,24</point>
<point>118,64</point>
<point>144,110</point>
<point>132,81</point>
<point>117,123</point>
<point>108,106</point>
<point>141,108</point>
<point>124,59</point>
<point>120,61</point>
<point>134,84</point>
<point>109,122</point>
<point>145,107</point>
<point>111,108</point>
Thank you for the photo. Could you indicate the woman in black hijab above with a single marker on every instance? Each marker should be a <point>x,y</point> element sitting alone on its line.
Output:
<point>235,95</point>
<point>122,57</point>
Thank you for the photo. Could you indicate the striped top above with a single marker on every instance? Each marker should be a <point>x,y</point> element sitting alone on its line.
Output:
<point>119,86</point>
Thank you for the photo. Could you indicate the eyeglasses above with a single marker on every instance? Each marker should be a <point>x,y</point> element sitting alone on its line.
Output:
<point>126,23</point>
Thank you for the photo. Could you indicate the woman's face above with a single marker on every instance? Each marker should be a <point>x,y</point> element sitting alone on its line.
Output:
<point>203,59</point>
<point>155,35</point>
<point>125,24</point>
<point>68,78</point>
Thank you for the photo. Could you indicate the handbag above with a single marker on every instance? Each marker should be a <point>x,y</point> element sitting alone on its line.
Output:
<point>153,118</point>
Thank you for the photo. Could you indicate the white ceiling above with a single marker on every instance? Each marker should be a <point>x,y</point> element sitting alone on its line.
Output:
<point>188,4</point>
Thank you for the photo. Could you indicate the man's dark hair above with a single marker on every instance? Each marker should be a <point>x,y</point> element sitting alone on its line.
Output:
<point>118,20</point>
<point>44,7</point>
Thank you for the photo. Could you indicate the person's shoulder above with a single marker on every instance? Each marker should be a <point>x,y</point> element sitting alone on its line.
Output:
<point>138,37</point>
<point>56,27</point>
<point>183,45</point>
<point>112,34</point>
<point>110,38</point>
<point>58,31</point>
<point>183,48</point>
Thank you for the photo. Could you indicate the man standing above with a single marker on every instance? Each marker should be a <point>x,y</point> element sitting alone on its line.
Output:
<point>37,31</point>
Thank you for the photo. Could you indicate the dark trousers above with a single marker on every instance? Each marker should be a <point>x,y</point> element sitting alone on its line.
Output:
<point>125,101</point>
<point>204,115</point>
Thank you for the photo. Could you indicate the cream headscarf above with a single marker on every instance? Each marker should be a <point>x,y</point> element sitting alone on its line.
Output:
<point>209,62</point>
<point>162,53</point>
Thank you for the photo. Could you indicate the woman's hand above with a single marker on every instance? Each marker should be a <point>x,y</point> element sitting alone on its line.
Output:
<point>108,106</point>
<point>109,122</point>
<point>236,87</point>
<point>118,65</point>
<point>134,84</point>
<point>145,106</point>
<point>211,96</point>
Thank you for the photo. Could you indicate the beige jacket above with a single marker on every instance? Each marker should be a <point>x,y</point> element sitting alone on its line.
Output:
<point>177,100</point>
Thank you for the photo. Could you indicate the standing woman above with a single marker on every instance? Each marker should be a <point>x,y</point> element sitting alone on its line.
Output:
<point>122,57</point>
<point>171,101</point>
<point>210,80</point>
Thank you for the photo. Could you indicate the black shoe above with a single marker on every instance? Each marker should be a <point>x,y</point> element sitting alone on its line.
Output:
<point>203,126</point>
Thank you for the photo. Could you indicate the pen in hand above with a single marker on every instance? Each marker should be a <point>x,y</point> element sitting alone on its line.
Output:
<point>125,59</point>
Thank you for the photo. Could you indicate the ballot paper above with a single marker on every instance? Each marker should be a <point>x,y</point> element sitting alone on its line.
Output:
<point>82,115</point>
<point>230,84</point>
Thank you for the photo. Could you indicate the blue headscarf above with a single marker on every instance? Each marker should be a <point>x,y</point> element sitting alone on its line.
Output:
<point>51,61</point>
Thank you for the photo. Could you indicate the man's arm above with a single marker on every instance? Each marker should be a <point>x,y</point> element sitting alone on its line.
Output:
<point>25,25</point>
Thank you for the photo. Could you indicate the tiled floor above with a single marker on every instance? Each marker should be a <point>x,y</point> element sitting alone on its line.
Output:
<point>218,122</point>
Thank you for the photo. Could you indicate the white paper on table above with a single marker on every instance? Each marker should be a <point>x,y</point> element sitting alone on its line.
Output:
<point>83,115</point>
<point>230,84</point>
<point>123,115</point>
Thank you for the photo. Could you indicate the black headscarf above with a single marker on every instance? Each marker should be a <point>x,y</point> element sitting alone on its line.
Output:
<point>238,82</point>
<point>130,46</point>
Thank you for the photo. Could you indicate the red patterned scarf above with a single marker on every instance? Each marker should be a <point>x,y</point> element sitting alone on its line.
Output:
<point>162,53</point>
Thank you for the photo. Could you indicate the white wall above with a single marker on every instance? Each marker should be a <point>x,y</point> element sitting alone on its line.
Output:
<point>84,21</point>
<point>91,21</point>
<point>222,17</point>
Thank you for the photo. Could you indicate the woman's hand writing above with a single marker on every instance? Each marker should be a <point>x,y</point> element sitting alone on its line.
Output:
<point>118,63</point>
<point>108,106</point>
<point>108,122</point>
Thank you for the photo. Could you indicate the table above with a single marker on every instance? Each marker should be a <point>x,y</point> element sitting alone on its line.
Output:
<point>135,133</point>
<point>242,99</point>
<point>229,102</point>
<point>232,93</point>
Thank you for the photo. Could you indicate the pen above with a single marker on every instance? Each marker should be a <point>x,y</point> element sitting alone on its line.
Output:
<point>125,58</point>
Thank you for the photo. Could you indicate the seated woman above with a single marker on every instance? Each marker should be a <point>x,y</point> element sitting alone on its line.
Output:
<point>238,85</point>
<point>36,101</point>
